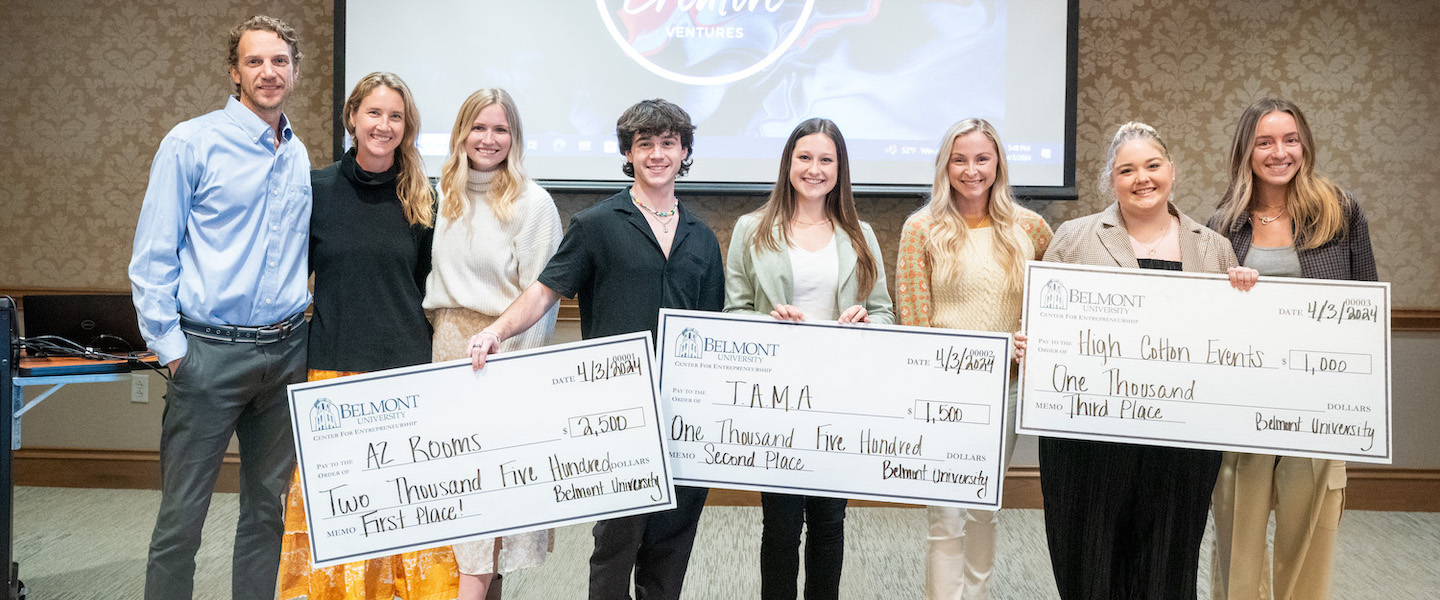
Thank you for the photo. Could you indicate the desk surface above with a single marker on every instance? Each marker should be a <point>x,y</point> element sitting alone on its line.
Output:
<point>44,367</point>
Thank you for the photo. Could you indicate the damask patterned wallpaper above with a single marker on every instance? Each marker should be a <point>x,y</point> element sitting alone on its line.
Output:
<point>92,85</point>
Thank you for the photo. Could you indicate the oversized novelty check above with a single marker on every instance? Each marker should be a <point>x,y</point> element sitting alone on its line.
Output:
<point>1296,367</point>
<point>876,412</point>
<point>431,455</point>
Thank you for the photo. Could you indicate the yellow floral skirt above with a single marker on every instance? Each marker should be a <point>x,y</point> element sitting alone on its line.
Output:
<point>423,575</point>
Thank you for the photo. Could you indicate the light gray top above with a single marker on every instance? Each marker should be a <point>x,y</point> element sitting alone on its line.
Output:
<point>1274,262</point>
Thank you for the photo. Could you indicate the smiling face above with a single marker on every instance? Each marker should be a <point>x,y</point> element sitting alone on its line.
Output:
<point>265,72</point>
<point>488,144</point>
<point>1142,177</point>
<point>657,159</point>
<point>972,167</point>
<point>1277,154</point>
<point>814,166</point>
<point>379,124</point>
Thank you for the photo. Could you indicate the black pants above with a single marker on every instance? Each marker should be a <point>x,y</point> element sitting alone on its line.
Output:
<point>824,522</point>
<point>655,546</point>
<point>1125,521</point>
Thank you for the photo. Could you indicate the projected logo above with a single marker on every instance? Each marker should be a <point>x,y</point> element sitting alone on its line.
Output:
<point>705,42</point>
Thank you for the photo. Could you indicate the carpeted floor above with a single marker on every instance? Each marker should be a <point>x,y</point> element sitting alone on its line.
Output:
<point>91,543</point>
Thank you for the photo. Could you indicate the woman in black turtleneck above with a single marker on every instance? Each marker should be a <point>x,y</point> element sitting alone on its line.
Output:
<point>370,237</point>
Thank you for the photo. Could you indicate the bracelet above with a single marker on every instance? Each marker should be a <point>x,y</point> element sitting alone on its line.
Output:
<point>492,334</point>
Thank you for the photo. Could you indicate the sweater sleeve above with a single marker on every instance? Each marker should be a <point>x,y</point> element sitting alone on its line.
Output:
<point>537,241</point>
<point>912,274</point>
<point>1039,231</point>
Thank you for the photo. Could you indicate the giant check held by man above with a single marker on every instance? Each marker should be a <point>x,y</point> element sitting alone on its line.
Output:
<point>875,412</point>
<point>1296,367</point>
<point>431,455</point>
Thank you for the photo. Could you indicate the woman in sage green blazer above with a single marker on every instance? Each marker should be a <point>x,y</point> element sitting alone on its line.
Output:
<point>805,255</point>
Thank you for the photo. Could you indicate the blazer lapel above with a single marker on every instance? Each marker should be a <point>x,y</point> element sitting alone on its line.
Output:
<point>845,285</point>
<point>1192,256</point>
<point>774,272</point>
<point>1116,239</point>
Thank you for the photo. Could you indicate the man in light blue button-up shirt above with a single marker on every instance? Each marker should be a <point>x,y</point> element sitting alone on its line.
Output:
<point>219,272</point>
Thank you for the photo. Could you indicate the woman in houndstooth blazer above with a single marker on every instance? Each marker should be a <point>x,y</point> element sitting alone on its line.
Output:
<point>1123,520</point>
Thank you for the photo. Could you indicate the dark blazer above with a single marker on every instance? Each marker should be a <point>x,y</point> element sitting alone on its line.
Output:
<point>1348,256</point>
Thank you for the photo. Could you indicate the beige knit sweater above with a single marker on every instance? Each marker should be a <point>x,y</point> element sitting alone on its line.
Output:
<point>483,264</point>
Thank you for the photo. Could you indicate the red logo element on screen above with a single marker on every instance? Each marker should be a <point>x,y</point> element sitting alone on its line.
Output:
<point>705,42</point>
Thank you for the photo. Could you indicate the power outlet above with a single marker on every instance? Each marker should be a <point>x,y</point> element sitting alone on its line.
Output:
<point>140,388</point>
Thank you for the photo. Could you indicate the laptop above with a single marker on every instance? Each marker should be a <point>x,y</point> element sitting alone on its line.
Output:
<point>105,322</point>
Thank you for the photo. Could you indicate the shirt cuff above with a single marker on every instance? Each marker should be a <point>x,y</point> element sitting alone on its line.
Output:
<point>170,346</point>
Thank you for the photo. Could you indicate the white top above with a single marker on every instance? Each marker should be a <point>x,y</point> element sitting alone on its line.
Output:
<point>482,263</point>
<point>816,276</point>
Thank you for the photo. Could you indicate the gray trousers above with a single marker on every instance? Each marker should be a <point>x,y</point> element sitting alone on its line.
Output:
<point>225,388</point>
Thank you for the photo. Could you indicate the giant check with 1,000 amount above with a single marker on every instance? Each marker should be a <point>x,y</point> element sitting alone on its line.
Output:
<point>1295,367</point>
<point>431,455</point>
<point>873,412</point>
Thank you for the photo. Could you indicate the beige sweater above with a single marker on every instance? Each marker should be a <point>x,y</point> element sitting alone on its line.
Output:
<point>979,299</point>
<point>483,264</point>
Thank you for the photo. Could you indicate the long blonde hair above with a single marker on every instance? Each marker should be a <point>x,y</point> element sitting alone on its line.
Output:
<point>1317,207</point>
<point>509,178</point>
<point>947,227</point>
<point>839,205</point>
<point>411,186</point>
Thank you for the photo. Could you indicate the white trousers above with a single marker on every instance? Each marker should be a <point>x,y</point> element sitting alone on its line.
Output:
<point>960,546</point>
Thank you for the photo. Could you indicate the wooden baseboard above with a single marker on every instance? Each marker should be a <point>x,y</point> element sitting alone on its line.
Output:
<point>112,469</point>
<point>1401,319</point>
<point>1371,488</point>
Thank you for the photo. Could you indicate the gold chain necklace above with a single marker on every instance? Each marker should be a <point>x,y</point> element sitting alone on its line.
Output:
<point>1151,248</point>
<point>1268,220</point>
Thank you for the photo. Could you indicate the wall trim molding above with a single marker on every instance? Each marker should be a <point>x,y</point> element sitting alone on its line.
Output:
<point>1370,487</point>
<point>1401,319</point>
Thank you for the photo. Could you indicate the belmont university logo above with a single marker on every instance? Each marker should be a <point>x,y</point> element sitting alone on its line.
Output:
<point>675,39</point>
<point>324,415</point>
<point>1052,296</point>
<point>687,344</point>
<point>690,344</point>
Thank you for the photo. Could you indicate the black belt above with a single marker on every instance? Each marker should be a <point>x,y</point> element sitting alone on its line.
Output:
<point>266,334</point>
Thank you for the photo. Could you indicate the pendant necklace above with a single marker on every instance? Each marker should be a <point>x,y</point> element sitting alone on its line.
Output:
<point>1150,248</point>
<point>1271,219</point>
<point>660,216</point>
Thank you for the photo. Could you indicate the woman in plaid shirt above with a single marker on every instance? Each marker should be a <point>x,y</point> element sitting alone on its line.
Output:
<point>1283,220</point>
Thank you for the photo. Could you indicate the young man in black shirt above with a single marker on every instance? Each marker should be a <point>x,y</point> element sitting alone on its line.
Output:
<point>626,258</point>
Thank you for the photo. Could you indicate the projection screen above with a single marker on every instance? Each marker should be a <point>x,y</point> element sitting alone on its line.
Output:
<point>892,74</point>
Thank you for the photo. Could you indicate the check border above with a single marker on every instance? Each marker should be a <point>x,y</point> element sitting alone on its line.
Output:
<point>1383,287</point>
<point>1005,425</point>
<point>664,466</point>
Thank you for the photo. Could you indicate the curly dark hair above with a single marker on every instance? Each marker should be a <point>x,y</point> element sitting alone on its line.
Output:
<point>655,117</point>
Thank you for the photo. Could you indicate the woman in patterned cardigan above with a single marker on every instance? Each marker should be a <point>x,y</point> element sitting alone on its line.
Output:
<point>961,266</point>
